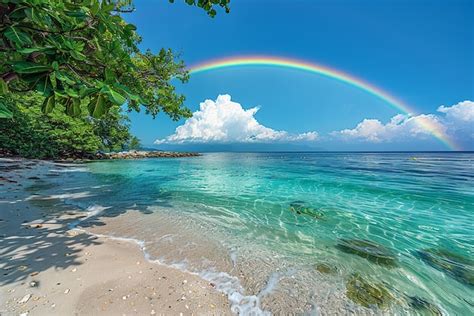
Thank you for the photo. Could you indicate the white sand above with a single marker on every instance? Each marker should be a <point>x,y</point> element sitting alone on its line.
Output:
<point>47,269</point>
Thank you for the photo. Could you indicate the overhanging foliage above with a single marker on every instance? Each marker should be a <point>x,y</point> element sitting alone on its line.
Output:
<point>76,52</point>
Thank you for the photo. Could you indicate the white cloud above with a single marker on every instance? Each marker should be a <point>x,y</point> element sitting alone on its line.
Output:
<point>456,121</point>
<point>399,127</point>
<point>224,121</point>
<point>463,111</point>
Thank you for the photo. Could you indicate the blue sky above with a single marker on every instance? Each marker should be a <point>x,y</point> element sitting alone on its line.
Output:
<point>419,51</point>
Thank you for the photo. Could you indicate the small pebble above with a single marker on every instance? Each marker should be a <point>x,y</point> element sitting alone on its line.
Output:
<point>25,299</point>
<point>66,291</point>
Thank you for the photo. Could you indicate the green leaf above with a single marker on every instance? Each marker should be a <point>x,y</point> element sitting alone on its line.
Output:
<point>77,55</point>
<point>3,87</point>
<point>5,112</point>
<point>63,76</point>
<point>98,107</point>
<point>17,36</point>
<point>60,94</point>
<point>72,93</point>
<point>76,107</point>
<point>44,87</point>
<point>25,67</point>
<point>52,79</point>
<point>84,92</point>
<point>130,27</point>
<point>76,14</point>
<point>73,107</point>
<point>95,7</point>
<point>109,76</point>
<point>69,110</point>
<point>126,91</point>
<point>114,96</point>
<point>33,49</point>
<point>48,104</point>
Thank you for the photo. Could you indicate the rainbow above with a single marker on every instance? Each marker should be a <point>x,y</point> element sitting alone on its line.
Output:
<point>434,129</point>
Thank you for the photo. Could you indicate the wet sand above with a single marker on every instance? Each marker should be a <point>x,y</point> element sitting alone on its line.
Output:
<point>49,269</point>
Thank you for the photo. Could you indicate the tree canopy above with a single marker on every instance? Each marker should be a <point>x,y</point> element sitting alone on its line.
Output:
<point>81,54</point>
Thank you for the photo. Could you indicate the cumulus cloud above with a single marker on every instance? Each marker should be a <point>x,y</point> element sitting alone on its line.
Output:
<point>224,121</point>
<point>463,111</point>
<point>400,126</point>
<point>453,120</point>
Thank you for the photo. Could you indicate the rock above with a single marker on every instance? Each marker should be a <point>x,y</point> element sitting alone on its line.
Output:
<point>324,268</point>
<point>144,154</point>
<point>456,266</point>
<point>33,284</point>
<point>367,294</point>
<point>299,208</point>
<point>25,299</point>
<point>368,250</point>
<point>66,291</point>
<point>423,307</point>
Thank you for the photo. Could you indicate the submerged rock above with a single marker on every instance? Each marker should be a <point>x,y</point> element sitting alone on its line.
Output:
<point>457,266</point>
<point>367,294</point>
<point>423,307</point>
<point>325,268</point>
<point>368,250</point>
<point>300,208</point>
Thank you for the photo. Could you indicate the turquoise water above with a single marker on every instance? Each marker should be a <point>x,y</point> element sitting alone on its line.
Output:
<point>279,217</point>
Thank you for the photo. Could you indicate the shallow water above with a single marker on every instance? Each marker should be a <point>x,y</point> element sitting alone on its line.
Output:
<point>259,226</point>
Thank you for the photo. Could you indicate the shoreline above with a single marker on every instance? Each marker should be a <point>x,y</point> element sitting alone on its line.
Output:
<point>48,268</point>
<point>87,157</point>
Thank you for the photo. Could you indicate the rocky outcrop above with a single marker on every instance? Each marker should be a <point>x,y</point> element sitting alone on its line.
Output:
<point>135,154</point>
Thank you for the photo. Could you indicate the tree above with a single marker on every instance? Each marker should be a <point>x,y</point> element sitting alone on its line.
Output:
<point>33,134</point>
<point>113,130</point>
<point>76,52</point>
<point>134,143</point>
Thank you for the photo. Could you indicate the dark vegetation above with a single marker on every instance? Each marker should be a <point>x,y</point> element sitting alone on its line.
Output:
<point>32,134</point>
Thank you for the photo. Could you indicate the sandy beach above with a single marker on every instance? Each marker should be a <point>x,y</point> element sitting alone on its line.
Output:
<point>47,268</point>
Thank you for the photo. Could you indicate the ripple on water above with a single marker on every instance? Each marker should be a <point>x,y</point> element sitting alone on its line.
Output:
<point>280,223</point>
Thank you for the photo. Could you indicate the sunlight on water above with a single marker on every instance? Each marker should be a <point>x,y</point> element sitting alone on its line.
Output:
<point>301,231</point>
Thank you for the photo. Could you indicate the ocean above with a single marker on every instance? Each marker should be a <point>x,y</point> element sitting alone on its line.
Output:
<point>303,233</point>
